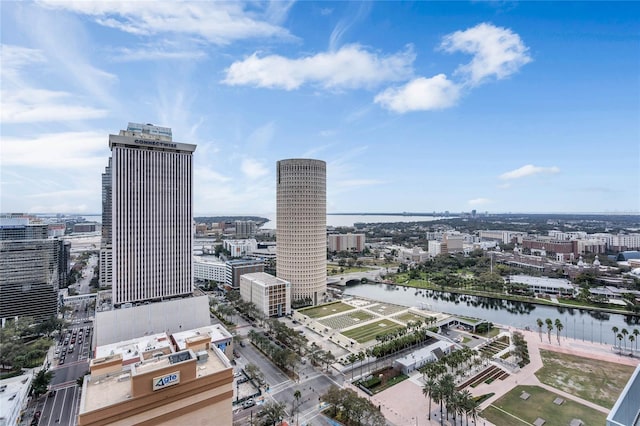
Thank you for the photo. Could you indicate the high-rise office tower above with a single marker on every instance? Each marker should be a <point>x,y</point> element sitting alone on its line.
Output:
<point>301,233</point>
<point>151,214</point>
<point>32,268</point>
<point>106,248</point>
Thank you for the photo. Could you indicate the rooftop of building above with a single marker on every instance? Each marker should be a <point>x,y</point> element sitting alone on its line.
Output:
<point>10,391</point>
<point>240,262</point>
<point>627,255</point>
<point>264,278</point>
<point>133,350</point>
<point>216,332</point>
<point>212,260</point>
<point>541,281</point>
<point>116,387</point>
<point>424,353</point>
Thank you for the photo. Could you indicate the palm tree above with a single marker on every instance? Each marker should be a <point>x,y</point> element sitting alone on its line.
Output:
<point>448,387</point>
<point>631,339</point>
<point>540,324</point>
<point>625,333</point>
<point>636,332</point>
<point>361,357</point>
<point>615,334</point>
<point>620,336</point>
<point>438,397</point>
<point>559,328</point>
<point>549,328</point>
<point>428,391</point>
<point>296,396</point>
<point>473,409</point>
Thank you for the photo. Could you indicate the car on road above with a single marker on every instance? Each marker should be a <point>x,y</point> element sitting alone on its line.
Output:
<point>249,403</point>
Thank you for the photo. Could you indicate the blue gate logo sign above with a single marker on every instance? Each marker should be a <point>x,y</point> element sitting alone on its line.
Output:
<point>166,380</point>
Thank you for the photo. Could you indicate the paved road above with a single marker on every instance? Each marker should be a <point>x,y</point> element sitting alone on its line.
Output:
<point>313,383</point>
<point>61,405</point>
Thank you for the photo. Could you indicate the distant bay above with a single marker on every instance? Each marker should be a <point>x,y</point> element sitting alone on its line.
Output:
<point>336,220</point>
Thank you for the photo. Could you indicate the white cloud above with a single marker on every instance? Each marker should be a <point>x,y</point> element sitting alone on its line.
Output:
<point>214,21</point>
<point>155,53</point>
<point>62,151</point>
<point>479,201</point>
<point>528,170</point>
<point>23,103</point>
<point>497,52</point>
<point>16,57</point>
<point>351,66</point>
<point>38,105</point>
<point>420,94</point>
<point>253,169</point>
<point>345,24</point>
<point>207,176</point>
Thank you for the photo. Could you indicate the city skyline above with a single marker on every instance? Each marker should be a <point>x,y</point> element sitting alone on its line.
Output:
<point>417,107</point>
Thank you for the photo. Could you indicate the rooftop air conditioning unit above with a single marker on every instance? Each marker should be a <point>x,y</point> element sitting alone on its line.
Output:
<point>202,356</point>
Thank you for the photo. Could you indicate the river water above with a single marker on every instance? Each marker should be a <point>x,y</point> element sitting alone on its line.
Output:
<point>578,323</point>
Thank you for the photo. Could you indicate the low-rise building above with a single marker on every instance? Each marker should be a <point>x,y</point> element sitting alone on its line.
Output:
<point>209,268</point>
<point>238,267</point>
<point>240,248</point>
<point>191,386</point>
<point>423,356</point>
<point>556,286</point>
<point>346,242</point>
<point>271,295</point>
<point>14,397</point>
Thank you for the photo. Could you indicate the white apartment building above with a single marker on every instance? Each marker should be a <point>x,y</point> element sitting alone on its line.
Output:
<point>625,241</point>
<point>409,255</point>
<point>301,233</point>
<point>503,236</point>
<point>151,214</point>
<point>435,248</point>
<point>240,248</point>
<point>208,268</point>
<point>271,295</point>
<point>346,242</point>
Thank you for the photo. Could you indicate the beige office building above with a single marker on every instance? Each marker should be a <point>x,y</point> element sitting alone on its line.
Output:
<point>271,295</point>
<point>149,182</point>
<point>301,234</point>
<point>193,386</point>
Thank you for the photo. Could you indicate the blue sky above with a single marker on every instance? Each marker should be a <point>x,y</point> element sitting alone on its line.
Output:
<point>420,106</point>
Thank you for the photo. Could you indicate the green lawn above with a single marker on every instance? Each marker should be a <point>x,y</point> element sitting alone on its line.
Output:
<point>368,332</point>
<point>324,310</point>
<point>361,315</point>
<point>596,381</point>
<point>408,316</point>
<point>539,404</point>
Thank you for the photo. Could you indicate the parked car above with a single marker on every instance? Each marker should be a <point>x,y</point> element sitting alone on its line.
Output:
<point>248,403</point>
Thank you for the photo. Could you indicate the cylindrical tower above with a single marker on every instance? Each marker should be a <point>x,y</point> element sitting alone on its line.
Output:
<point>301,233</point>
